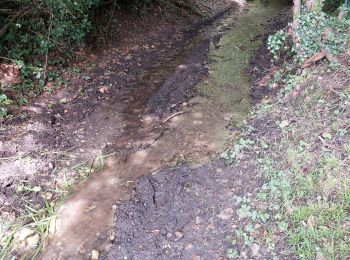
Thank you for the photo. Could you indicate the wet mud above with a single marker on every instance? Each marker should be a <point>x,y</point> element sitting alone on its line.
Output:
<point>191,213</point>
<point>143,144</point>
<point>156,102</point>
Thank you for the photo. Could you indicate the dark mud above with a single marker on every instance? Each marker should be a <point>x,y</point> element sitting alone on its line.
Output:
<point>180,86</point>
<point>262,61</point>
<point>141,57</point>
<point>184,213</point>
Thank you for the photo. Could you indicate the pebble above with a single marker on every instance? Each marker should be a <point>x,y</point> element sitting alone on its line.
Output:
<point>95,255</point>
<point>178,235</point>
<point>22,234</point>
<point>226,214</point>
<point>33,241</point>
<point>189,247</point>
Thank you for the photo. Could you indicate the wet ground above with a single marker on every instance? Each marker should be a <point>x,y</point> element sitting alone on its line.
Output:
<point>154,107</point>
<point>192,213</point>
<point>196,131</point>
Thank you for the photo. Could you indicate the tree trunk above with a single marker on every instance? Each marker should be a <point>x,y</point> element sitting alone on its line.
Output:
<point>295,25</point>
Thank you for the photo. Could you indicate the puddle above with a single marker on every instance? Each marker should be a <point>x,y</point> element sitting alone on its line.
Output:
<point>148,143</point>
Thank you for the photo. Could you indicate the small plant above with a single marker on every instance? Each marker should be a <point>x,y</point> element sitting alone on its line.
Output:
<point>313,35</point>
<point>4,103</point>
<point>276,43</point>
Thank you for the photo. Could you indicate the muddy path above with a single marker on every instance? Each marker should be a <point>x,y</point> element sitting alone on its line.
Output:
<point>183,120</point>
<point>177,96</point>
<point>188,212</point>
<point>156,122</point>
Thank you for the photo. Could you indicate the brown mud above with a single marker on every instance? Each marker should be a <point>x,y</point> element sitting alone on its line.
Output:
<point>145,143</point>
<point>147,103</point>
<point>100,107</point>
<point>192,213</point>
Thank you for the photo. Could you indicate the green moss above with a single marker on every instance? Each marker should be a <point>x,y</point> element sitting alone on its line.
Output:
<point>229,83</point>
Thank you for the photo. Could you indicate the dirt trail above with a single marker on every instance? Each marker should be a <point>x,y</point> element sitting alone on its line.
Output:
<point>192,213</point>
<point>165,101</point>
<point>177,131</point>
<point>85,221</point>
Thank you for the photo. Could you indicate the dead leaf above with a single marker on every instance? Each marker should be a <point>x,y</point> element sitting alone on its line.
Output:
<point>103,89</point>
<point>316,57</point>
<point>264,81</point>
<point>9,74</point>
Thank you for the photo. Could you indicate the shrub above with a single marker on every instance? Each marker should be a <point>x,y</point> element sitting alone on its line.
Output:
<point>314,34</point>
<point>32,31</point>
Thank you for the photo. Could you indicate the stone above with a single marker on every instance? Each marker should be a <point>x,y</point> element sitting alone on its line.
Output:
<point>95,254</point>
<point>226,214</point>
<point>33,241</point>
<point>189,247</point>
<point>178,235</point>
<point>23,233</point>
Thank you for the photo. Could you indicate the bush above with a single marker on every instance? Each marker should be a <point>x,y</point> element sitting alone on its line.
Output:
<point>50,24</point>
<point>32,31</point>
<point>312,31</point>
<point>314,34</point>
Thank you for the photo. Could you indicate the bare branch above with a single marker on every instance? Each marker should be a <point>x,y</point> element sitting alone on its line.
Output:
<point>13,19</point>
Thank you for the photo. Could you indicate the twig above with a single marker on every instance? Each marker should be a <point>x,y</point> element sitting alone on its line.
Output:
<point>170,117</point>
<point>14,18</point>
<point>5,58</point>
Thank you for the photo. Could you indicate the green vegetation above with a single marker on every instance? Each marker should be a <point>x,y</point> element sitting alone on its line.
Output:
<point>37,219</point>
<point>310,179</point>
<point>300,141</point>
<point>40,37</point>
<point>314,35</point>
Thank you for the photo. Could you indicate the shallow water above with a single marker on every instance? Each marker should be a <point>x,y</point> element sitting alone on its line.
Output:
<point>84,222</point>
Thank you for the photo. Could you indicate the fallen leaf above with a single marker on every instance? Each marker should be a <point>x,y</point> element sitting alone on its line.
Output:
<point>103,89</point>
<point>9,74</point>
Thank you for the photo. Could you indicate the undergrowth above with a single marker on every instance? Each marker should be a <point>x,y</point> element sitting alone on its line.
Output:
<point>316,31</point>
<point>303,153</point>
<point>42,37</point>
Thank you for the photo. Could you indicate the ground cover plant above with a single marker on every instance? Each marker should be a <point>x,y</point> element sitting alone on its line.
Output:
<point>39,38</point>
<point>303,148</point>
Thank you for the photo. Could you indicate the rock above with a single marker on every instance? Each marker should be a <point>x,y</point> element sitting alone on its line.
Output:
<point>255,250</point>
<point>178,235</point>
<point>23,233</point>
<point>103,89</point>
<point>189,247</point>
<point>95,255</point>
<point>33,241</point>
<point>226,214</point>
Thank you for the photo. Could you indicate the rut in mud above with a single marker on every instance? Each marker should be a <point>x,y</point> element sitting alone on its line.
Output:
<point>176,131</point>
